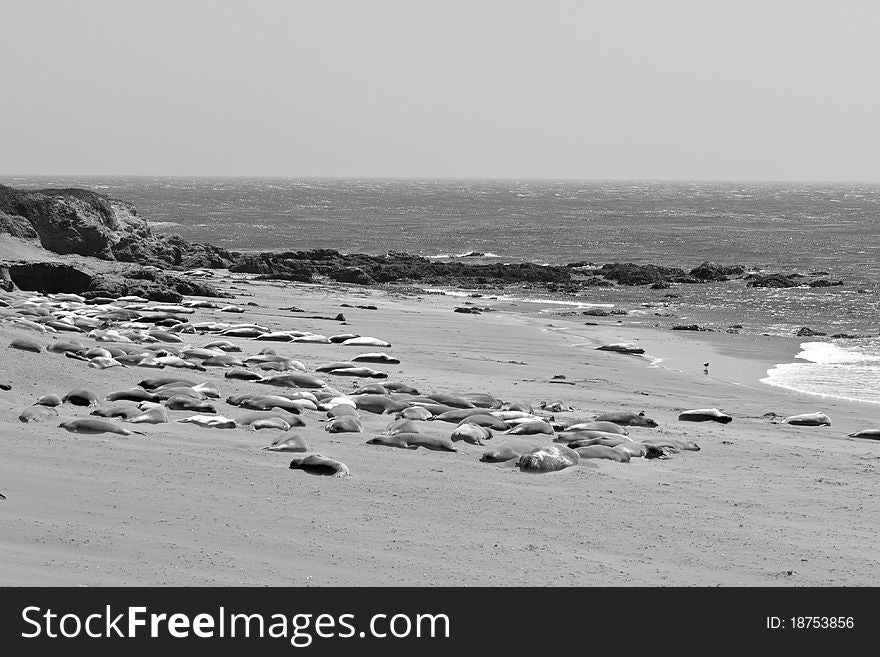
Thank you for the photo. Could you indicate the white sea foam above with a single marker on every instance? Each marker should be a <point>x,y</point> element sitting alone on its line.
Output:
<point>832,370</point>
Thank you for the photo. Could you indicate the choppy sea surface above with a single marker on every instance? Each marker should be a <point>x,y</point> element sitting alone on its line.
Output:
<point>820,230</point>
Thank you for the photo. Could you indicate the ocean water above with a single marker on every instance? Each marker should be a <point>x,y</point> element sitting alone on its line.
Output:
<point>819,230</point>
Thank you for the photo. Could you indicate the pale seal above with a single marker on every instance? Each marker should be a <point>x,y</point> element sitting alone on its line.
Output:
<point>549,458</point>
<point>531,427</point>
<point>602,452</point>
<point>435,443</point>
<point>316,464</point>
<point>402,425</point>
<point>364,372</point>
<point>37,413</point>
<point>471,434</point>
<point>809,420</point>
<point>344,424</point>
<point>95,426</point>
<point>486,420</point>
<point>25,344</point>
<point>873,434</point>
<point>459,414</point>
<point>507,451</point>
<point>183,403</point>
<point>397,440</point>
<point>608,427</point>
<point>627,419</point>
<point>451,400</point>
<point>705,415</point>
<point>210,421</point>
<point>288,443</point>
<point>414,413</point>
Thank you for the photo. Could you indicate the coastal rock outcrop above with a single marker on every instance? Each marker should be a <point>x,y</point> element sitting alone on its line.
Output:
<point>709,271</point>
<point>82,222</point>
<point>629,273</point>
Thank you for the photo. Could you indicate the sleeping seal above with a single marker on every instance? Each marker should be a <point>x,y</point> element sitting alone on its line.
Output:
<point>809,420</point>
<point>705,415</point>
<point>627,419</point>
<point>93,426</point>
<point>288,442</point>
<point>316,464</point>
<point>549,458</point>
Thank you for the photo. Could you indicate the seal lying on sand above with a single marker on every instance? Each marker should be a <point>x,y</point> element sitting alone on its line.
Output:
<point>471,434</point>
<point>344,424</point>
<point>508,450</point>
<point>94,426</point>
<point>705,415</point>
<point>603,452</point>
<point>288,443</point>
<point>81,397</point>
<point>37,413</point>
<point>549,458</point>
<point>873,434</point>
<point>607,427</point>
<point>531,427</point>
<point>316,464</point>
<point>809,420</point>
<point>210,421</point>
<point>627,419</point>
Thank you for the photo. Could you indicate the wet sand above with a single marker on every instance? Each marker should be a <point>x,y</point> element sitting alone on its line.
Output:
<point>761,503</point>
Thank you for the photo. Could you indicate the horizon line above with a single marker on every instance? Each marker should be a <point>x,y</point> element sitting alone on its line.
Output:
<point>446,178</point>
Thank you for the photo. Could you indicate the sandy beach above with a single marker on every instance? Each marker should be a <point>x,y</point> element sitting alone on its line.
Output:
<point>761,504</point>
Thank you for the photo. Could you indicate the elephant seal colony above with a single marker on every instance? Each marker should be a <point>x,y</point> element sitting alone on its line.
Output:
<point>232,400</point>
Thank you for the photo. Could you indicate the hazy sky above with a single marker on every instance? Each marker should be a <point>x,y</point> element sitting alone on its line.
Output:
<point>549,89</point>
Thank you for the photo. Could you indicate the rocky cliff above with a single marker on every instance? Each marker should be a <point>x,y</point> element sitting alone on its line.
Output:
<point>81,222</point>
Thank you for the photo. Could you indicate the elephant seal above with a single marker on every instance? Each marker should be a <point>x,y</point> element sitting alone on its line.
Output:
<point>288,443</point>
<point>342,410</point>
<point>398,440</point>
<point>243,375</point>
<point>414,413</point>
<point>400,387</point>
<point>95,426</point>
<point>556,407</point>
<point>873,434</point>
<point>269,423</point>
<point>451,400</point>
<point>37,413</point>
<point>337,365</point>
<point>485,420</point>
<point>674,443</point>
<point>531,427</point>
<point>294,380</point>
<point>483,400</point>
<point>459,414</point>
<point>81,397</point>
<point>603,452</point>
<point>378,404</point>
<point>584,436</point>
<point>608,427</point>
<point>705,415</point>
<point>49,400</point>
<point>365,342</point>
<point>183,403</point>
<point>376,357</point>
<point>627,419</point>
<point>523,408</point>
<point>364,372</point>
<point>161,381</point>
<point>210,421</point>
<point>371,389</point>
<point>402,425</point>
<point>125,411</point>
<point>471,434</point>
<point>507,451</point>
<point>344,424</point>
<point>268,402</point>
<point>25,344</point>
<point>224,345</point>
<point>549,458</point>
<point>316,464</point>
<point>156,415</point>
<point>630,447</point>
<point>435,443</point>
<point>622,348</point>
<point>132,394</point>
<point>809,420</point>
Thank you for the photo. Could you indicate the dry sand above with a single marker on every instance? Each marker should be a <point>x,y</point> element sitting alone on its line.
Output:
<point>761,504</point>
